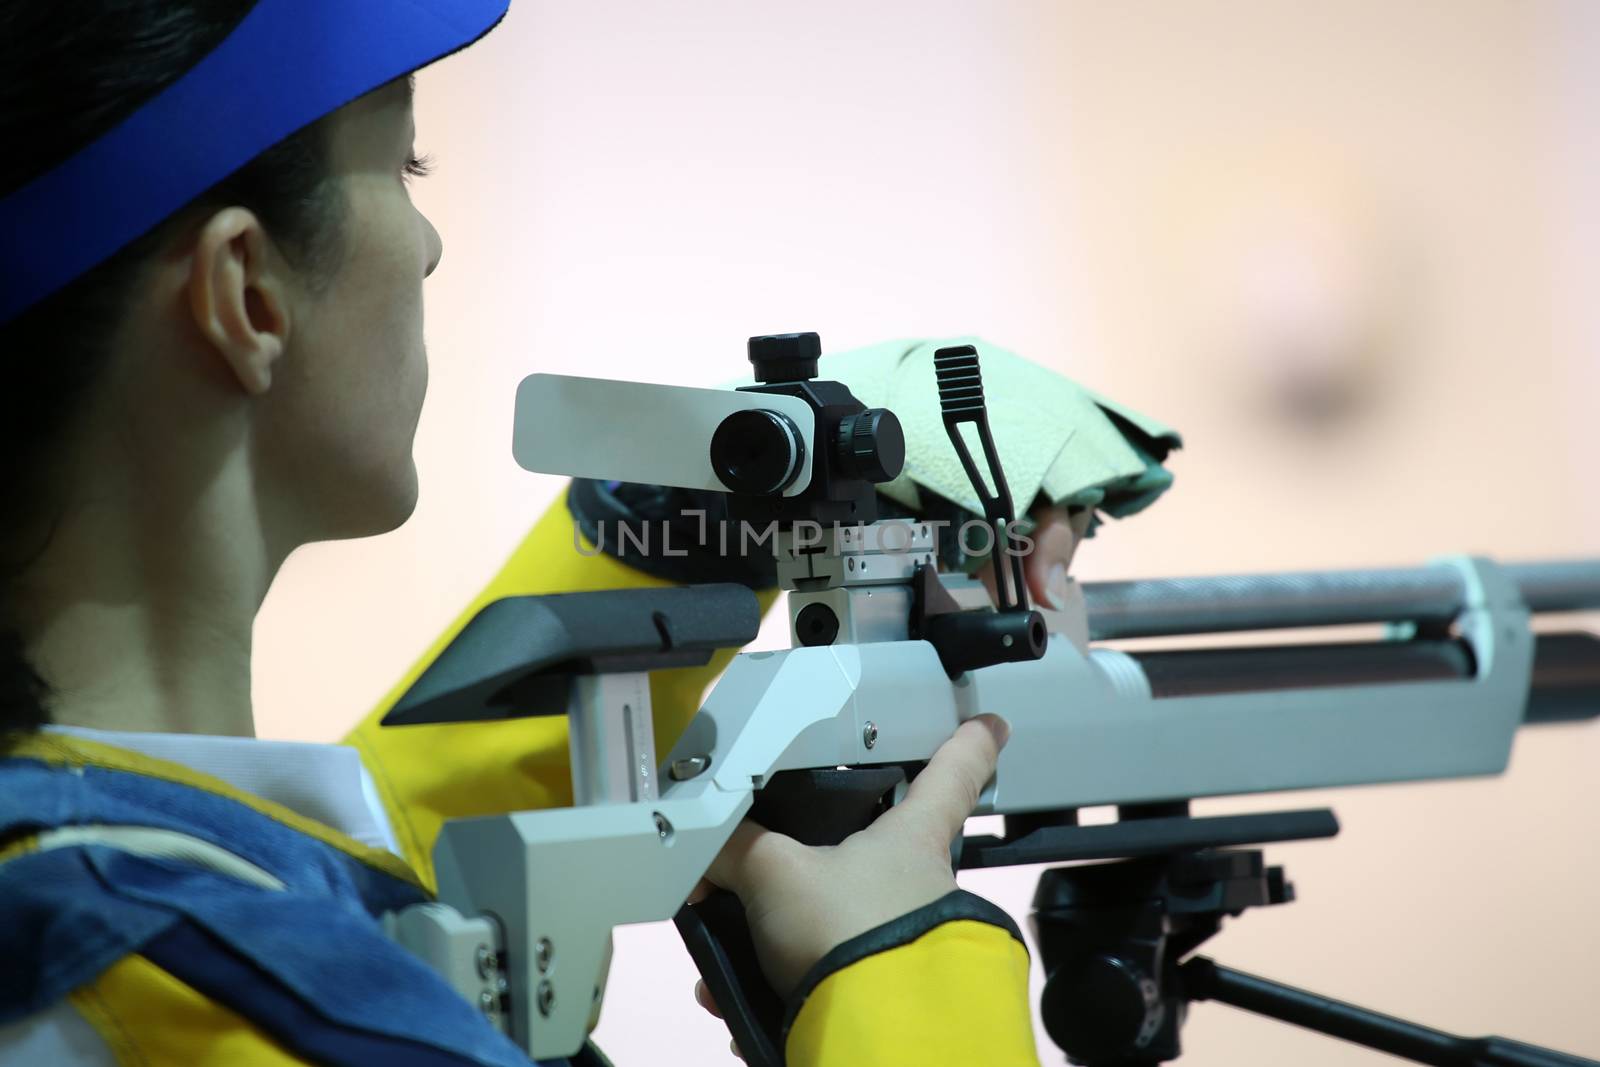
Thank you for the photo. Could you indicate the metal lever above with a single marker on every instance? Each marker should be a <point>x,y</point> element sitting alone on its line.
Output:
<point>968,640</point>
<point>961,401</point>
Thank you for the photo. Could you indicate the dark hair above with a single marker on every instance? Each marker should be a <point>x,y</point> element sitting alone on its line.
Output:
<point>65,79</point>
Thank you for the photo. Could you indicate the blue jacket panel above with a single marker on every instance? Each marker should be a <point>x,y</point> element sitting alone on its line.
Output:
<point>309,964</point>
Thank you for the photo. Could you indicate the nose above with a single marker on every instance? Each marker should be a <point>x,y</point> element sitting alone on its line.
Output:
<point>435,245</point>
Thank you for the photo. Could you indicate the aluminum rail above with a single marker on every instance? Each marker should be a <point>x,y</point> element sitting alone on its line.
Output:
<point>1169,606</point>
<point>1565,686</point>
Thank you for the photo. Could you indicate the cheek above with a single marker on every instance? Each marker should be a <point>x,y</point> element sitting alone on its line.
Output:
<point>381,365</point>
<point>388,359</point>
<point>353,391</point>
<point>384,316</point>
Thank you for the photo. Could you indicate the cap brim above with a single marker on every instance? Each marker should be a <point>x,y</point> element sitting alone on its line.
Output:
<point>287,64</point>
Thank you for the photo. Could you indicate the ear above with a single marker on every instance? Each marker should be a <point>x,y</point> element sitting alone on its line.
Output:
<point>238,296</point>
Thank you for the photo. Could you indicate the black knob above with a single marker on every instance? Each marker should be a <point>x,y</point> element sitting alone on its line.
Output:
<point>817,624</point>
<point>757,452</point>
<point>1103,1010</point>
<point>871,445</point>
<point>785,357</point>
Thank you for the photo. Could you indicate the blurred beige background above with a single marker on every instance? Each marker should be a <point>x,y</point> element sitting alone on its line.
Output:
<point>1348,249</point>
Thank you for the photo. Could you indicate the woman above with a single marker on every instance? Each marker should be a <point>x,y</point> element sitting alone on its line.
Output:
<point>211,319</point>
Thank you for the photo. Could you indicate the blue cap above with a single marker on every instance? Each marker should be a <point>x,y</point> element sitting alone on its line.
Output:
<point>286,65</point>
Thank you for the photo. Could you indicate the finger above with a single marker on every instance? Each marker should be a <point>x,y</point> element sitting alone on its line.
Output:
<point>701,890</point>
<point>733,1047</point>
<point>1056,534</point>
<point>1055,541</point>
<point>751,851</point>
<point>943,795</point>
<point>703,997</point>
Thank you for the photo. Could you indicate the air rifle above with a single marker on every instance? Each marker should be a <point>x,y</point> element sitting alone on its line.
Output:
<point>889,656</point>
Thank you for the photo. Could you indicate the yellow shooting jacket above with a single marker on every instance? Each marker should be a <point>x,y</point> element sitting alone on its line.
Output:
<point>956,995</point>
<point>945,986</point>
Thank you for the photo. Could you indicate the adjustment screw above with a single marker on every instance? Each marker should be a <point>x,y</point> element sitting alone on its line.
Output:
<point>690,767</point>
<point>487,961</point>
<point>871,445</point>
<point>869,736</point>
<point>785,357</point>
<point>542,952</point>
<point>546,997</point>
<point>486,1003</point>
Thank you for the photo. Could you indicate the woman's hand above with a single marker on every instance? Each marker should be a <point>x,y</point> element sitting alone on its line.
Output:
<point>801,901</point>
<point>1056,535</point>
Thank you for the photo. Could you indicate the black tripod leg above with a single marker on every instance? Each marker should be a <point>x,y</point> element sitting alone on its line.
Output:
<point>1204,980</point>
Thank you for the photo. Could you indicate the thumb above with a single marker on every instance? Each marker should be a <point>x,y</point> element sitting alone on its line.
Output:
<point>943,795</point>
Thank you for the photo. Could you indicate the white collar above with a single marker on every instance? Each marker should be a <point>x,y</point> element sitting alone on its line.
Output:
<point>328,783</point>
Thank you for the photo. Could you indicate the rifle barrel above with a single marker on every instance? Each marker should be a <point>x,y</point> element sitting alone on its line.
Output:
<point>1169,606</point>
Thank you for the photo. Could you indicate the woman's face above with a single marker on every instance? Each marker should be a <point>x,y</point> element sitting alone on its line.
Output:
<point>340,416</point>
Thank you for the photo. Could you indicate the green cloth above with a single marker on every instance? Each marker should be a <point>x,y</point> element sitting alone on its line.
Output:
<point>1056,439</point>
